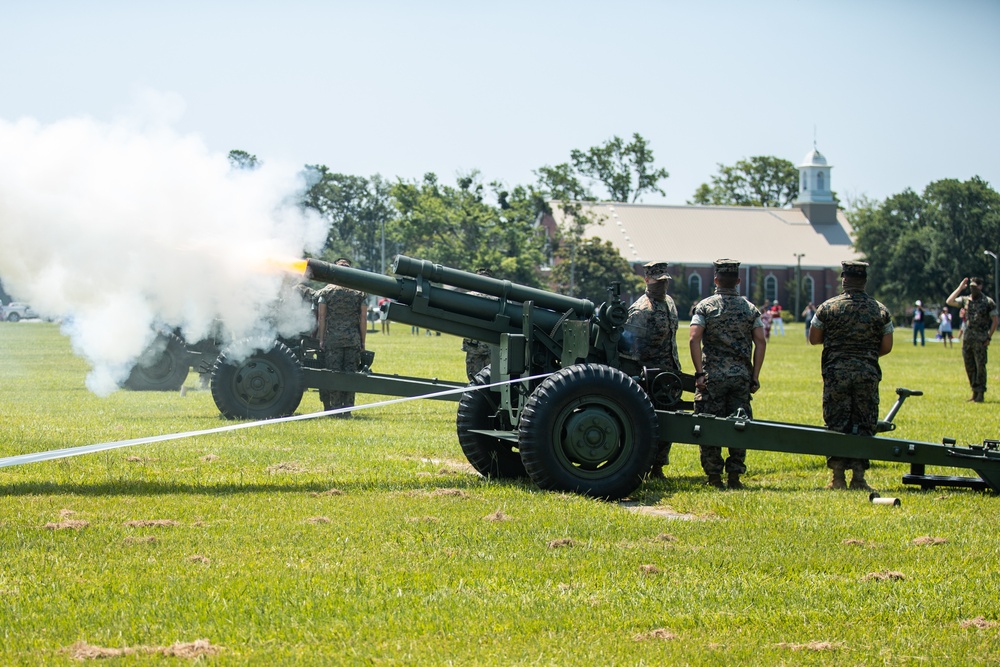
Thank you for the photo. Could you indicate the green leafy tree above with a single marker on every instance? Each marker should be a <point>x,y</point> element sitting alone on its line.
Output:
<point>921,246</point>
<point>359,210</point>
<point>598,264</point>
<point>760,181</point>
<point>242,160</point>
<point>561,187</point>
<point>626,169</point>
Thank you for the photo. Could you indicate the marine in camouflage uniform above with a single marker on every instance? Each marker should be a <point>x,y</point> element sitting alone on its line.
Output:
<point>651,328</point>
<point>342,325</point>
<point>855,331</point>
<point>727,347</point>
<point>981,322</point>
<point>477,353</point>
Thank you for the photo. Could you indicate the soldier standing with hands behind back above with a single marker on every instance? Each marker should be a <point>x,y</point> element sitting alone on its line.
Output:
<point>981,316</point>
<point>727,348</point>
<point>652,328</point>
<point>855,330</point>
<point>343,321</point>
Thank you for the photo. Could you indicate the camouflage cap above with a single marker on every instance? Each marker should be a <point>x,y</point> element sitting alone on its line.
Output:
<point>657,271</point>
<point>727,266</point>
<point>343,261</point>
<point>483,271</point>
<point>854,269</point>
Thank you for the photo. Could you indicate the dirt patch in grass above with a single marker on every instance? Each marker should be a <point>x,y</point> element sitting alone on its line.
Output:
<point>198,558</point>
<point>65,514</point>
<point>649,569</point>
<point>290,467</point>
<point>499,515</point>
<point>423,519</point>
<point>139,459</point>
<point>149,539</point>
<point>661,634</point>
<point>457,493</point>
<point>812,646</point>
<point>449,467</point>
<point>561,543</point>
<point>665,537</point>
<point>318,519</point>
<point>885,575</point>
<point>152,523</point>
<point>852,542</point>
<point>927,540</point>
<point>662,512</point>
<point>196,649</point>
<point>979,623</point>
<point>328,492</point>
<point>68,524</point>
<point>208,458</point>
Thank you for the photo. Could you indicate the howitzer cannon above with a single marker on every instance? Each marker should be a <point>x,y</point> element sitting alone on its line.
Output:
<point>576,411</point>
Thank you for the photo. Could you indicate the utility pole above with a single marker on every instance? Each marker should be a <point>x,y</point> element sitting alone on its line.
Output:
<point>996,274</point>
<point>798,284</point>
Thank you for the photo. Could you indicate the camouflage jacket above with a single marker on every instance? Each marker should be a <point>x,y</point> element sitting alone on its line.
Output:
<point>651,330</point>
<point>727,344</point>
<point>979,314</point>
<point>343,315</point>
<point>853,325</point>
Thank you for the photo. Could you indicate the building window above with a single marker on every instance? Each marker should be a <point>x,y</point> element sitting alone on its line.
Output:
<point>809,285</point>
<point>805,181</point>
<point>819,182</point>
<point>694,286</point>
<point>771,288</point>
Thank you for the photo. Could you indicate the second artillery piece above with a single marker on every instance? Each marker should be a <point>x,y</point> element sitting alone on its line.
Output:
<point>565,403</point>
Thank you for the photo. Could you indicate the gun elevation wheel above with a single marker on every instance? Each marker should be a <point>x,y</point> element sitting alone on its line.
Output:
<point>479,410</point>
<point>162,367</point>
<point>266,384</point>
<point>589,429</point>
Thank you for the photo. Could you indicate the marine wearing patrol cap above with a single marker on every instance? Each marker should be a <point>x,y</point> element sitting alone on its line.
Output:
<point>343,261</point>
<point>727,266</point>
<point>854,270</point>
<point>657,271</point>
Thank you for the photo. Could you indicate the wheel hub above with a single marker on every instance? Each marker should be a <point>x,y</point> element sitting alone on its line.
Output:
<point>592,436</point>
<point>257,382</point>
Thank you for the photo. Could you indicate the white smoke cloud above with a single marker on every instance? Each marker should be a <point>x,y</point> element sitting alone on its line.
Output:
<point>122,228</point>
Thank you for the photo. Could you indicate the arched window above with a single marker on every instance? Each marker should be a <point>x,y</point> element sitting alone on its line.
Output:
<point>771,288</point>
<point>819,181</point>
<point>805,181</point>
<point>809,286</point>
<point>694,286</point>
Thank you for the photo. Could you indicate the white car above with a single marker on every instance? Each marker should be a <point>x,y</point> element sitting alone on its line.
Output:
<point>14,312</point>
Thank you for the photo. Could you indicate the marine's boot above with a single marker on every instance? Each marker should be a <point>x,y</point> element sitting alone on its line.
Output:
<point>734,481</point>
<point>858,481</point>
<point>716,481</point>
<point>657,472</point>
<point>972,398</point>
<point>839,481</point>
<point>979,397</point>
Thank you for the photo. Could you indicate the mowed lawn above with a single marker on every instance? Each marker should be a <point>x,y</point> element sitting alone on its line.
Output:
<point>371,541</point>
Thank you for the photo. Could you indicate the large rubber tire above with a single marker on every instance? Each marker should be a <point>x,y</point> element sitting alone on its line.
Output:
<point>267,384</point>
<point>588,429</point>
<point>162,367</point>
<point>13,317</point>
<point>480,410</point>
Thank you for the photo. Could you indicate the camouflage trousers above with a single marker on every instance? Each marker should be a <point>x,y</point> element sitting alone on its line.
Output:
<point>850,405</point>
<point>475,362</point>
<point>723,397</point>
<point>974,353</point>
<point>347,359</point>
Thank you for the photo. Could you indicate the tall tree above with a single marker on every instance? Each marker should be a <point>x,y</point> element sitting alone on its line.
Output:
<point>762,180</point>
<point>625,169</point>
<point>563,190</point>
<point>358,209</point>
<point>242,160</point>
<point>598,264</point>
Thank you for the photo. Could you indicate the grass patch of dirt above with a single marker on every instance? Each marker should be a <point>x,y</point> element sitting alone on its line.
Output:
<point>191,650</point>
<point>927,540</point>
<point>885,575</point>
<point>661,634</point>
<point>979,623</point>
<point>68,524</point>
<point>561,542</point>
<point>152,523</point>
<point>499,515</point>
<point>812,646</point>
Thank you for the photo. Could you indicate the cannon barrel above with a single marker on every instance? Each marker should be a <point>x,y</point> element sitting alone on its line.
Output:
<point>446,309</point>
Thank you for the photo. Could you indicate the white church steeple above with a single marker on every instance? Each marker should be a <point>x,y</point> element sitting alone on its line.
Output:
<point>815,196</point>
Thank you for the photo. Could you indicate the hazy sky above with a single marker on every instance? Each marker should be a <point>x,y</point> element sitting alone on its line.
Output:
<point>899,93</point>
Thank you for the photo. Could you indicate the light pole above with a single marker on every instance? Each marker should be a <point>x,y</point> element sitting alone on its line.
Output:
<point>996,274</point>
<point>798,283</point>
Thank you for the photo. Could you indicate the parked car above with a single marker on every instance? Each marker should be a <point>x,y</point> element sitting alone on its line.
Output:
<point>15,311</point>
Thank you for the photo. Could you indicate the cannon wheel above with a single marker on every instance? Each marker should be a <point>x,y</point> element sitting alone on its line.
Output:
<point>162,367</point>
<point>589,429</point>
<point>267,384</point>
<point>491,457</point>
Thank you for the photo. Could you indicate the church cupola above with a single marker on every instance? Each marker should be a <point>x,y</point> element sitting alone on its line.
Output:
<point>815,196</point>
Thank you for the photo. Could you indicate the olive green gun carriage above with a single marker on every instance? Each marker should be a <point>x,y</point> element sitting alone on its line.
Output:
<point>576,412</point>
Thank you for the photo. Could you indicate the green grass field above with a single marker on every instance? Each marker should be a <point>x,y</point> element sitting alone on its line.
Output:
<point>371,541</point>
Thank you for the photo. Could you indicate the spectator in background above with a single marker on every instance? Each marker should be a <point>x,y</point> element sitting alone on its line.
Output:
<point>918,323</point>
<point>944,327</point>
<point>807,316</point>
<point>777,319</point>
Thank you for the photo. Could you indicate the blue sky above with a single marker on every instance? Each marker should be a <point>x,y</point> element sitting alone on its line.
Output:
<point>898,94</point>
